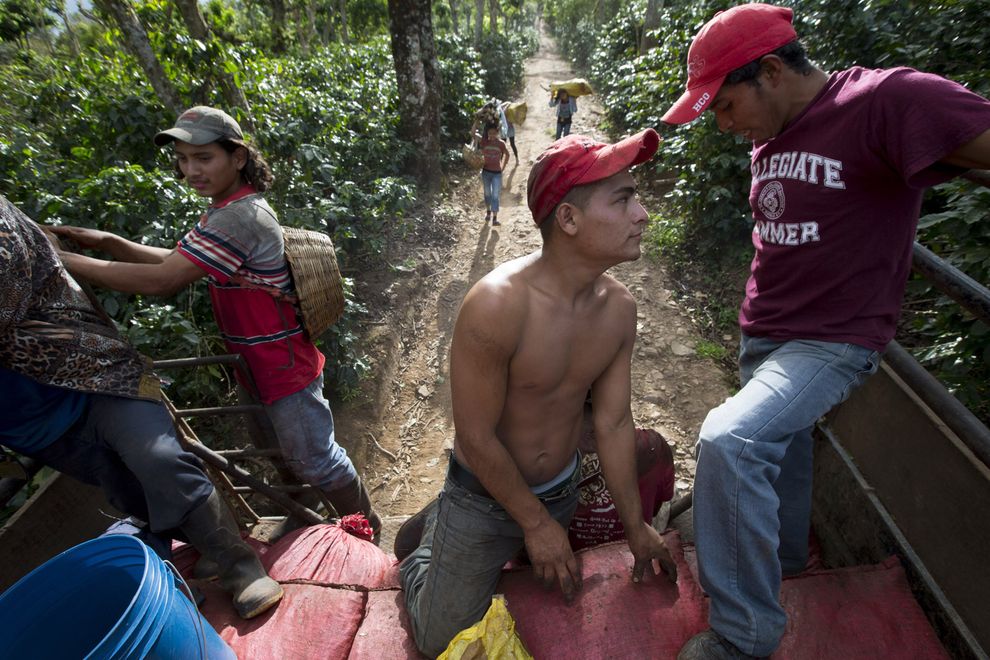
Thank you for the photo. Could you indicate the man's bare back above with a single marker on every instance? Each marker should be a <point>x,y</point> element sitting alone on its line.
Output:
<point>557,347</point>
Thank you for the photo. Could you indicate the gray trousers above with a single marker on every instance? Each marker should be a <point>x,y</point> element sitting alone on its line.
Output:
<point>450,579</point>
<point>128,447</point>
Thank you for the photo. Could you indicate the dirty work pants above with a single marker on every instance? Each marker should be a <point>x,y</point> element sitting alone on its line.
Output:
<point>450,579</point>
<point>752,490</point>
<point>304,426</point>
<point>491,184</point>
<point>128,447</point>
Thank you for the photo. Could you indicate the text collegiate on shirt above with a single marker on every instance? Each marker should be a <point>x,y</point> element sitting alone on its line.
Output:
<point>801,166</point>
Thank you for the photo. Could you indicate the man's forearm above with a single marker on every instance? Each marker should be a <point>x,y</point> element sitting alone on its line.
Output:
<point>120,276</point>
<point>122,249</point>
<point>499,474</point>
<point>618,459</point>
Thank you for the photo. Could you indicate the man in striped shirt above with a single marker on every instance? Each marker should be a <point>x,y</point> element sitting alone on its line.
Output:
<point>237,245</point>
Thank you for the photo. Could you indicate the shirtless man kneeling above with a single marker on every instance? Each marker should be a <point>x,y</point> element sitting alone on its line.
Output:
<point>531,338</point>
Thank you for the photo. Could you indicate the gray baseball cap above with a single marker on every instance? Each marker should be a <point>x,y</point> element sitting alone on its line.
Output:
<point>201,125</point>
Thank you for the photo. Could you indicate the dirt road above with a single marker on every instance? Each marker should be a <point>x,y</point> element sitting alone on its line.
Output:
<point>399,429</point>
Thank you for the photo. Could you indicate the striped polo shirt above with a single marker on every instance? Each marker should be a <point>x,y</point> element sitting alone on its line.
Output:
<point>238,242</point>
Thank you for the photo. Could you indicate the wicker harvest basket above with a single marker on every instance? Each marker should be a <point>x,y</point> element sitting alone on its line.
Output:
<point>472,156</point>
<point>318,282</point>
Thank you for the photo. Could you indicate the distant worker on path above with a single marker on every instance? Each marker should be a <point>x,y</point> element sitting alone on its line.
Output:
<point>80,399</point>
<point>566,107</point>
<point>532,337</point>
<point>510,129</point>
<point>839,164</point>
<point>496,157</point>
<point>238,245</point>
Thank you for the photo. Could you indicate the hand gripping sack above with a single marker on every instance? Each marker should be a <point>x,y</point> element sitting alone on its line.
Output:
<point>319,285</point>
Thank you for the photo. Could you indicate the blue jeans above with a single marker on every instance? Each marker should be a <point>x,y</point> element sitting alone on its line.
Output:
<point>128,447</point>
<point>304,426</point>
<point>491,183</point>
<point>752,490</point>
<point>563,128</point>
<point>450,579</point>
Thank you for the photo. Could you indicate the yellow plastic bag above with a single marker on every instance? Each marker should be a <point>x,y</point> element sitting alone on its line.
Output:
<point>492,638</point>
<point>516,112</point>
<point>573,87</point>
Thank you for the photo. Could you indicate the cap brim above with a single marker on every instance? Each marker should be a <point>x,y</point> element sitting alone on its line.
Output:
<point>693,102</point>
<point>192,137</point>
<point>622,155</point>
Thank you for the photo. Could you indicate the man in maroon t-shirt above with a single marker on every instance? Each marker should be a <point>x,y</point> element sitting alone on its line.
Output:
<point>839,165</point>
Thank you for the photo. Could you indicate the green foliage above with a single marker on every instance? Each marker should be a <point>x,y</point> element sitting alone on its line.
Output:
<point>711,350</point>
<point>575,24</point>
<point>502,55</point>
<point>18,18</point>
<point>366,17</point>
<point>463,85</point>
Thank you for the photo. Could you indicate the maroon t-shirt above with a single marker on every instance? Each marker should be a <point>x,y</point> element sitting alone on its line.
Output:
<point>836,197</point>
<point>492,151</point>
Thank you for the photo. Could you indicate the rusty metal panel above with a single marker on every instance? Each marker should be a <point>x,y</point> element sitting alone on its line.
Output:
<point>934,488</point>
<point>61,514</point>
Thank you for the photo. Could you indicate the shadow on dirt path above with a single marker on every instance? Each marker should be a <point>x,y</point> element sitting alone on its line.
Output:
<point>399,436</point>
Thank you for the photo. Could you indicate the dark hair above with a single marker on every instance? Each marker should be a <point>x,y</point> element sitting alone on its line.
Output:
<point>256,170</point>
<point>793,54</point>
<point>577,196</point>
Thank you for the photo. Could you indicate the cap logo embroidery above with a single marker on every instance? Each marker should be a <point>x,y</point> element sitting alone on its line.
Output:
<point>695,67</point>
<point>699,105</point>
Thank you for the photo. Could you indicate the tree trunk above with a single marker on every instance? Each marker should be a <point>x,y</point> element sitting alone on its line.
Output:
<point>278,25</point>
<point>136,42</point>
<point>493,16</point>
<point>73,40</point>
<point>479,20</point>
<point>453,15</point>
<point>418,78</point>
<point>344,37</point>
<point>198,29</point>
<point>651,21</point>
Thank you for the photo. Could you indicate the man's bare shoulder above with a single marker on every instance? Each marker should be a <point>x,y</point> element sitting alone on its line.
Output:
<point>505,286</point>
<point>617,294</point>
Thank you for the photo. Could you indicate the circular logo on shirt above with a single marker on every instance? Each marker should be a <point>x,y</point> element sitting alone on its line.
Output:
<point>771,200</point>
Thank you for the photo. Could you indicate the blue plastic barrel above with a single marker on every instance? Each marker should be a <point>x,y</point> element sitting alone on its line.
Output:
<point>111,597</point>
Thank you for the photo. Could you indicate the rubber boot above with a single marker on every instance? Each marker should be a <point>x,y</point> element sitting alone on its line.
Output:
<point>212,530</point>
<point>410,534</point>
<point>353,498</point>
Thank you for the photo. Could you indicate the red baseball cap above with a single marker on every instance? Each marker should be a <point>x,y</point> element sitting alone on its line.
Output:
<point>576,160</point>
<point>731,39</point>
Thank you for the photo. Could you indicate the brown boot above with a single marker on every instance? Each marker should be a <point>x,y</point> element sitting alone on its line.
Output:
<point>212,530</point>
<point>353,498</point>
